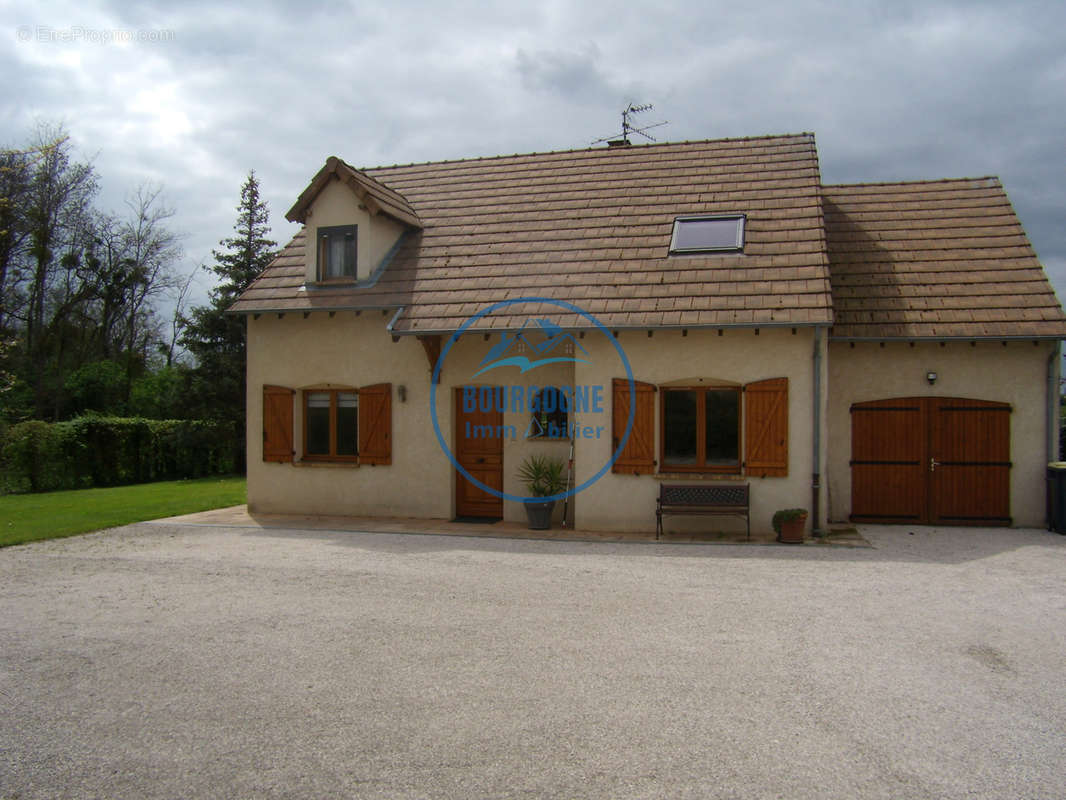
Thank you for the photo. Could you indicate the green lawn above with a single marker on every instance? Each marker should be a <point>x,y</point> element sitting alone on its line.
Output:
<point>29,517</point>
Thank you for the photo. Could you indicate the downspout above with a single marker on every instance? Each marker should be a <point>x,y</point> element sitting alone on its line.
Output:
<point>1053,402</point>
<point>816,439</point>
<point>394,320</point>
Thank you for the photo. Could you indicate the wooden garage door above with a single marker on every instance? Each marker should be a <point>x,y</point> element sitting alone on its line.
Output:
<point>931,459</point>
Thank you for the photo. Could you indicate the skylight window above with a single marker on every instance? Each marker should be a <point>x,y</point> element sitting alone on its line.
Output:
<point>708,234</point>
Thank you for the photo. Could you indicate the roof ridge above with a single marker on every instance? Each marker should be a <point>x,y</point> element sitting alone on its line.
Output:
<point>913,182</point>
<point>363,172</point>
<point>590,149</point>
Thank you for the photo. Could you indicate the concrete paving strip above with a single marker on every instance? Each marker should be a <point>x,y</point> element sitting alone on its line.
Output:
<point>240,517</point>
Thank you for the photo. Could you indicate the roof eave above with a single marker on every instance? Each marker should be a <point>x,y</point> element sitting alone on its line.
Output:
<point>695,327</point>
<point>1018,337</point>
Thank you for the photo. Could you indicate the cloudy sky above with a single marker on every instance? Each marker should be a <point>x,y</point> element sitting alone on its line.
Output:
<point>193,95</point>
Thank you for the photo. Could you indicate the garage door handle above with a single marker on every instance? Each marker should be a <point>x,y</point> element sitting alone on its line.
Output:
<point>933,464</point>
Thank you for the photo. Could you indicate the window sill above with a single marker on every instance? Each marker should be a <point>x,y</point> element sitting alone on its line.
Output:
<point>326,462</point>
<point>698,476</point>
<point>706,253</point>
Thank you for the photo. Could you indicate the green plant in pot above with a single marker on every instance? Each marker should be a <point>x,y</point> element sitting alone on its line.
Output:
<point>789,524</point>
<point>543,477</point>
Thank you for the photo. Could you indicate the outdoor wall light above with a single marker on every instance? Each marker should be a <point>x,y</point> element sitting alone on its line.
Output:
<point>931,377</point>
<point>402,391</point>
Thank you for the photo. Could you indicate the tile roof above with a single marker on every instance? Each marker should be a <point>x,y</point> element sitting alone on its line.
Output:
<point>592,227</point>
<point>934,259</point>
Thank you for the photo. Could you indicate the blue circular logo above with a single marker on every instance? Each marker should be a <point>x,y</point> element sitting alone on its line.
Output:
<point>452,338</point>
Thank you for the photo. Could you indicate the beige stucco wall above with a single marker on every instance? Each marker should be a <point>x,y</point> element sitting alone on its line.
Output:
<point>1015,373</point>
<point>351,350</point>
<point>355,350</point>
<point>337,204</point>
<point>627,502</point>
<point>346,350</point>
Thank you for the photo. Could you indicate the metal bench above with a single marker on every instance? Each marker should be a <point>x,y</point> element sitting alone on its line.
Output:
<point>687,498</point>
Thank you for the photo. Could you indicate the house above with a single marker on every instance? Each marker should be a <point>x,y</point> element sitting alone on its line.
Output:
<point>701,311</point>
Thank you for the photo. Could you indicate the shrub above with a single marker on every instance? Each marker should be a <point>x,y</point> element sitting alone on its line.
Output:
<point>542,476</point>
<point>787,515</point>
<point>109,451</point>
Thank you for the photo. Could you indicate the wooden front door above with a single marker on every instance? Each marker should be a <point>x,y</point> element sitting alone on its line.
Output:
<point>939,460</point>
<point>479,450</point>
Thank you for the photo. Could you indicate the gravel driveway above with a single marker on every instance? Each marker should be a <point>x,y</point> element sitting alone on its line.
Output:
<point>162,660</point>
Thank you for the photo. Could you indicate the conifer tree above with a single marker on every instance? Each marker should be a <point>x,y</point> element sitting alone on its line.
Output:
<point>217,339</point>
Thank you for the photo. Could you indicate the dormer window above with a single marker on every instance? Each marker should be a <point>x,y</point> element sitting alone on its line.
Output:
<point>336,252</point>
<point>708,234</point>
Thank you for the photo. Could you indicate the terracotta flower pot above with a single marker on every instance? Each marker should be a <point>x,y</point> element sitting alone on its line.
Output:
<point>792,530</point>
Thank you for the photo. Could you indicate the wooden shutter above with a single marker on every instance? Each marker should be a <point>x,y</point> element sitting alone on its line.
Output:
<point>277,423</point>
<point>638,457</point>
<point>766,428</point>
<point>375,424</point>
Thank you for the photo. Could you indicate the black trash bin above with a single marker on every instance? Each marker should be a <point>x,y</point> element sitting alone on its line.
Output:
<point>1056,496</point>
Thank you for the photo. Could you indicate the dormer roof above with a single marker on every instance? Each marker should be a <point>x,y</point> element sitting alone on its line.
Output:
<point>378,198</point>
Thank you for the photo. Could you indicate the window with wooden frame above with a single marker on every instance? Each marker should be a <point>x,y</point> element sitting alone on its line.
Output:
<point>726,429</point>
<point>340,424</point>
<point>336,257</point>
<point>700,428</point>
<point>331,424</point>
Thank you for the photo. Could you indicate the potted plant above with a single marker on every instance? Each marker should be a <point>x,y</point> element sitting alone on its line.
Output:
<point>543,477</point>
<point>789,524</point>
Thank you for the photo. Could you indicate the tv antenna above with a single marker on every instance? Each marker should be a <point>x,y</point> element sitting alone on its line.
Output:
<point>628,127</point>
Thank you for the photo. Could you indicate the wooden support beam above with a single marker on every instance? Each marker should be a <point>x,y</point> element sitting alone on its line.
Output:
<point>431,344</point>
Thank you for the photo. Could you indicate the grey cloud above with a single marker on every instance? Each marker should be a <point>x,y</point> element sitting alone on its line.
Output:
<point>569,74</point>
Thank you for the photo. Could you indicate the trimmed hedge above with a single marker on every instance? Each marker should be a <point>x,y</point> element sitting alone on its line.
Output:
<point>111,451</point>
